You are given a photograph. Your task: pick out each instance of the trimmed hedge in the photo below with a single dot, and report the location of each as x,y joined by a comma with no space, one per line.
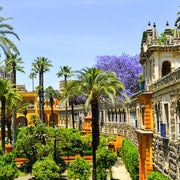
46,169
156,176
130,158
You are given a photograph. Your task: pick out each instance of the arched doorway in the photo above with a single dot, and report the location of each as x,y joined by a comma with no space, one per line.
166,68
21,121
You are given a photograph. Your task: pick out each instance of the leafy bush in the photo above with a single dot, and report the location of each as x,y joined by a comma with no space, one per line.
8,169
79,169
45,169
130,158
156,176
104,160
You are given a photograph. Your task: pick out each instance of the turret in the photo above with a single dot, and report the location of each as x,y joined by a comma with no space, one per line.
168,34
154,35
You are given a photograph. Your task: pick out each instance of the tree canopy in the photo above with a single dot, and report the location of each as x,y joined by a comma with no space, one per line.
126,67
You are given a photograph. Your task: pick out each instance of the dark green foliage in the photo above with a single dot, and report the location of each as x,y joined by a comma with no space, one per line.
40,141
104,160
130,158
79,169
74,143
8,169
46,169
156,176
37,142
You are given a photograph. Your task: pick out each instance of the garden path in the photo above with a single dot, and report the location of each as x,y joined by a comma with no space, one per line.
119,172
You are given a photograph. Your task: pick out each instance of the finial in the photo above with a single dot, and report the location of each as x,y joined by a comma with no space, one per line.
167,24
154,25
149,23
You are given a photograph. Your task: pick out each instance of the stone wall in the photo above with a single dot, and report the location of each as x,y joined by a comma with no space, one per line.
166,157
125,130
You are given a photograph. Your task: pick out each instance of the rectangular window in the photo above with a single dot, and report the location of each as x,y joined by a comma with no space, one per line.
109,119
112,116
101,116
142,115
166,117
157,109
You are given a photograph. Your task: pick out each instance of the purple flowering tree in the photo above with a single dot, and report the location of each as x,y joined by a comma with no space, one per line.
127,68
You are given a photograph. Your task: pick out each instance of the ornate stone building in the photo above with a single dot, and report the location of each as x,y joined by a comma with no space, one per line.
152,119
161,66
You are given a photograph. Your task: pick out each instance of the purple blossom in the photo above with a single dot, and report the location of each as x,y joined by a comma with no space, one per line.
127,68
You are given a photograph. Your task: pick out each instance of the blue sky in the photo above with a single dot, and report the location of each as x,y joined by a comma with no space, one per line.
75,32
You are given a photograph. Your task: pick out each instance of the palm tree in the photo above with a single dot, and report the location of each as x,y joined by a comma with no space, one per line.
13,106
32,76
12,65
7,91
66,72
5,43
178,20
94,84
40,66
51,94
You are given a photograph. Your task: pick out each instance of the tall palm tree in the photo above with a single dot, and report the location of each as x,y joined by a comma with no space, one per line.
178,20
66,72
94,84
7,91
39,66
32,76
5,43
13,63
51,94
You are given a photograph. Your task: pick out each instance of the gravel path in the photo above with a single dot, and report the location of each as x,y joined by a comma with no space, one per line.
119,172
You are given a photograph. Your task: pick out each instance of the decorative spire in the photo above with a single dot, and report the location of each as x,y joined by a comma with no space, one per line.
149,34
149,26
167,30
154,33
176,32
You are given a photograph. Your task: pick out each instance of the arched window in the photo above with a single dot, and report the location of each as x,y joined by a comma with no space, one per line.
166,68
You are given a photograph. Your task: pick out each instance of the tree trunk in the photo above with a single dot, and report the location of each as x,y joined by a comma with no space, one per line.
40,99
42,95
95,133
8,123
52,112
14,129
66,110
14,112
3,134
72,108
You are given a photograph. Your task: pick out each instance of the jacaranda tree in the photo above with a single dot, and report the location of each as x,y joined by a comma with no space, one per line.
126,67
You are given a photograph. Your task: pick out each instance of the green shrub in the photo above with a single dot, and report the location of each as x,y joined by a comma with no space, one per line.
156,176
104,160
130,159
45,169
8,169
79,169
